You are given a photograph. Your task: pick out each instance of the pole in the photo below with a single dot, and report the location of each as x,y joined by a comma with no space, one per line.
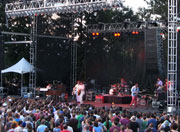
21,84
1,81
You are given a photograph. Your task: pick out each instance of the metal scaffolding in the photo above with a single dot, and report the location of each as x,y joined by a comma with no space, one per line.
33,55
73,76
114,27
172,56
30,8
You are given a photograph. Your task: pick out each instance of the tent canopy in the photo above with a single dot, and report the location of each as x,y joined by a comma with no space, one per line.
21,67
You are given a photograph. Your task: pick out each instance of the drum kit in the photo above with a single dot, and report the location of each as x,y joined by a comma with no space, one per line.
119,89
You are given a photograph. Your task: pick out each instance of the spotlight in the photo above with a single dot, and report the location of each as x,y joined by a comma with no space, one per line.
117,34
133,32
93,34
97,34
136,32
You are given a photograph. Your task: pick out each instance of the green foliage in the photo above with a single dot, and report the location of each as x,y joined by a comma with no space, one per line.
158,7
2,16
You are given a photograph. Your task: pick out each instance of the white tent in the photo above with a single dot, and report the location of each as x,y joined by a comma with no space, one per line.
21,67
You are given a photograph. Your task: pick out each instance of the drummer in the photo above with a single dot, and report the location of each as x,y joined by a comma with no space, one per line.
123,87
123,83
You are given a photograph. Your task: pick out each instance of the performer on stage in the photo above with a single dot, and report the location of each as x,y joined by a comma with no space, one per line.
81,92
49,86
167,85
159,84
134,93
123,83
75,90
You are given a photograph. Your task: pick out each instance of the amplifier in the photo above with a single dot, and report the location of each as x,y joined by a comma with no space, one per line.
99,99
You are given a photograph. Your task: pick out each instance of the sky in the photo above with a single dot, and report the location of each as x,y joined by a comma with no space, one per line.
135,4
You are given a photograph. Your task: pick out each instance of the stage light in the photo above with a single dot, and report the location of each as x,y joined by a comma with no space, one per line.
97,34
93,34
133,32
178,29
117,34
137,33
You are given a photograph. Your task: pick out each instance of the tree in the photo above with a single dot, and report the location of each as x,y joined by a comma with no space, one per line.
158,7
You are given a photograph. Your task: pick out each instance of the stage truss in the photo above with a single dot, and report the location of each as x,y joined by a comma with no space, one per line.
30,8
34,8
115,27
172,56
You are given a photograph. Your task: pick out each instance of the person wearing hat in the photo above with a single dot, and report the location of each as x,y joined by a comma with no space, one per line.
134,93
24,127
133,124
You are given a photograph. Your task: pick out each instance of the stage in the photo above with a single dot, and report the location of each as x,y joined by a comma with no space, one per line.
117,99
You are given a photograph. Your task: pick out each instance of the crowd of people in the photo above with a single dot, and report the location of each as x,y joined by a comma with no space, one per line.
40,115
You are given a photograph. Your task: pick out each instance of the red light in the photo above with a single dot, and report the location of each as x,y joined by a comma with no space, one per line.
133,32
35,14
97,34
93,34
178,30
136,32
118,34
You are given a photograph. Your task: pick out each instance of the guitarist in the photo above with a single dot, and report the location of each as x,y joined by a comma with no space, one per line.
75,91
134,93
81,92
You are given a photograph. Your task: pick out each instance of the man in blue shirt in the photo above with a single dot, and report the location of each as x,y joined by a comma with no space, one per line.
42,127
134,93
153,121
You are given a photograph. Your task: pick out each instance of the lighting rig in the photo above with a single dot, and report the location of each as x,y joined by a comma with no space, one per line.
36,7
33,8
131,28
